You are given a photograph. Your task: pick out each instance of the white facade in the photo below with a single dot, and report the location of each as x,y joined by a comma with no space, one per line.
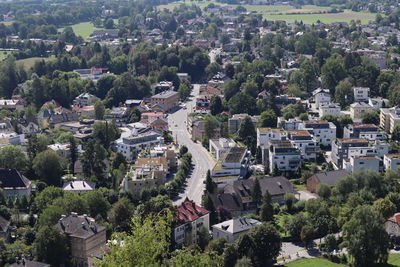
232,229
308,148
187,233
265,135
218,147
361,94
323,135
321,96
366,163
391,162
371,136
329,109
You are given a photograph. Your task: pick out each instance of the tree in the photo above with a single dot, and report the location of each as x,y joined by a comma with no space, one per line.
267,208
365,237
12,157
109,23
99,110
396,133
307,234
242,103
210,185
183,150
266,243
344,94
230,255
332,72
371,117
384,207
210,125
120,214
330,243
217,245
97,204
231,88
47,166
105,132
51,246
184,90
246,128
324,191
203,238
215,105
268,118
295,224
256,193
73,150
47,196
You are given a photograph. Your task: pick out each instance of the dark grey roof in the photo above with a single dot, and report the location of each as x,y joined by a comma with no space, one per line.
4,224
332,177
234,154
229,202
79,226
28,263
276,185
11,178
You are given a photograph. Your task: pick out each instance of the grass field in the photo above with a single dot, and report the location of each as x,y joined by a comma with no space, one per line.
84,29
315,262
285,12
4,54
29,62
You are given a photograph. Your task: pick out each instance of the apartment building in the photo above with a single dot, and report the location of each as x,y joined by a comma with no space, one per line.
219,147
358,109
389,118
361,94
323,131
391,161
305,142
321,96
365,131
329,109
366,163
266,135
283,156
341,148
166,100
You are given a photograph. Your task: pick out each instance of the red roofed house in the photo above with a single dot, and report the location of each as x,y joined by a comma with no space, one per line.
191,218
392,225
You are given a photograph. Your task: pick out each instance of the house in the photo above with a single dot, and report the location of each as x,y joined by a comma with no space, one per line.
202,103
391,161
14,184
87,112
93,74
323,131
4,228
291,124
304,142
85,99
364,162
389,118
283,156
149,117
378,102
232,166
159,125
167,152
236,120
329,178
392,225
133,141
119,115
361,94
11,104
283,100
266,135
190,219
358,109
163,86
365,131
232,229
321,96
329,109
79,186
218,147
146,173
196,128
87,239
98,35
166,99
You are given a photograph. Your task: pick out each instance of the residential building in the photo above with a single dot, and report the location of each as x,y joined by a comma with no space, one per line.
147,173
391,161
4,229
365,131
358,109
378,102
99,35
166,100
389,118
341,148
329,109
330,178
361,94
191,218
232,166
266,135
283,156
291,124
14,184
232,229
87,239
392,225
323,131
283,100
149,117
84,99
166,152
79,186
218,147
236,120
133,141
11,104
305,142
93,73
321,96
196,128
365,162
118,115
159,125
202,104
163,86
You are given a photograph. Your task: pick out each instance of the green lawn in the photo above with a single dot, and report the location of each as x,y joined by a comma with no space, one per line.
394,260
285,12
4,54
84,29
315,262
29,62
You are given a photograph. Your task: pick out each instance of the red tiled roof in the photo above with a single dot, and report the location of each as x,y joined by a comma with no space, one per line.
188,211
395,218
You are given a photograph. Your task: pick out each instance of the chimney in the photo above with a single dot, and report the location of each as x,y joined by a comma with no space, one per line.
72,184
83,182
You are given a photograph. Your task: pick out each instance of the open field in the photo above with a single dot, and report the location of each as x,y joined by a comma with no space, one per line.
29,62
4,54
291,14
315,262
84,29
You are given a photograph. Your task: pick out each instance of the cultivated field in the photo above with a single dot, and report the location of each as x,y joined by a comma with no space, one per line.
84,29
291,14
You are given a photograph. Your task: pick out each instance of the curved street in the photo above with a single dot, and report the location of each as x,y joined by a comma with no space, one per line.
201,159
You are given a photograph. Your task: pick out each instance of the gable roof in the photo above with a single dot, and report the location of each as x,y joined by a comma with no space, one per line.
11,178
79,186
331,178
188,211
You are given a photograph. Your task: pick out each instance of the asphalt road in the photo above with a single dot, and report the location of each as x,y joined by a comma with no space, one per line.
201,159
